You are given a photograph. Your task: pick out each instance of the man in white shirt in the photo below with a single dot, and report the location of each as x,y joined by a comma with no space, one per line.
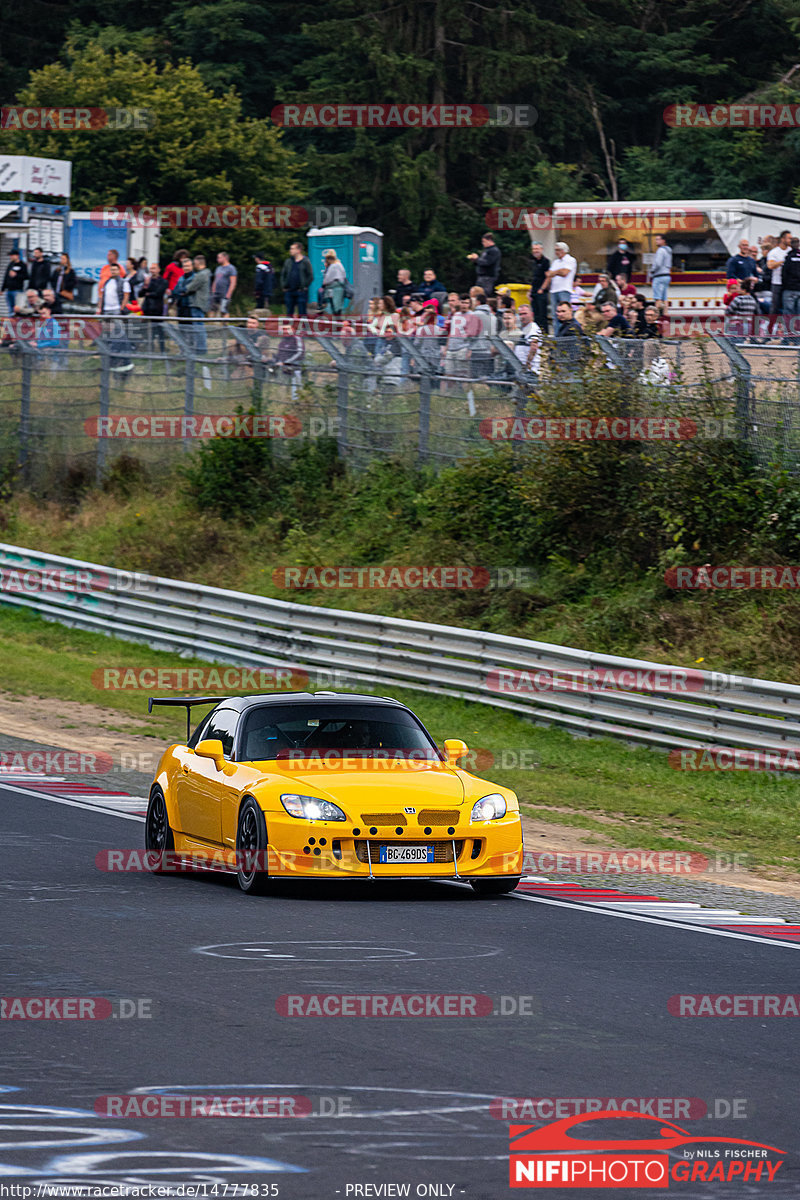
561,277
775,263
115,291
528,348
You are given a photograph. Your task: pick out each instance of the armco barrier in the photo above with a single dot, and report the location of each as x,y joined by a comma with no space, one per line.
234,627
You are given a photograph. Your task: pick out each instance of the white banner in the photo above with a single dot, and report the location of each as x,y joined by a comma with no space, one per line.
36,176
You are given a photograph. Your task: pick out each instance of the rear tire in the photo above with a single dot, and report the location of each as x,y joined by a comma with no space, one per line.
495,887
251,839
157,832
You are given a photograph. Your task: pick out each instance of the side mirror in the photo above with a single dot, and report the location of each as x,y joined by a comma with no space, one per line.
454,748
211,748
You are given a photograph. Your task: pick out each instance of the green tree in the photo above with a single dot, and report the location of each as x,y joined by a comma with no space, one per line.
199,150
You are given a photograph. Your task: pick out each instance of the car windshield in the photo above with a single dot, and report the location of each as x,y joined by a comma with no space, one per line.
292,731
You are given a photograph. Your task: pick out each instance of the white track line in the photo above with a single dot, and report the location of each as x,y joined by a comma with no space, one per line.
109,812
586,906
578,905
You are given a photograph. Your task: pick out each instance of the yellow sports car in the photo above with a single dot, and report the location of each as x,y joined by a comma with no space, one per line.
329,786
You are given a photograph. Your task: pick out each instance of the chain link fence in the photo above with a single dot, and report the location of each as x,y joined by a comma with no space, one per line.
90,390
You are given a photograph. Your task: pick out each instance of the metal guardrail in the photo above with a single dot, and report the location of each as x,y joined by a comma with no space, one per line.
351,649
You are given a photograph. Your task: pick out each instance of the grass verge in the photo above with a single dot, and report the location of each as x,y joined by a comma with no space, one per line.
631,797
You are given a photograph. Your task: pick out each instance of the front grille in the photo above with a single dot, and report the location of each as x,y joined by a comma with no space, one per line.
383,819
442,851
438,816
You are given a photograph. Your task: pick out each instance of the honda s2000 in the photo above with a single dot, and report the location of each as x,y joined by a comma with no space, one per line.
329,786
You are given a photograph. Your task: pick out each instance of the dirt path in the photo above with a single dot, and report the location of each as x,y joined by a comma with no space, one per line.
82,726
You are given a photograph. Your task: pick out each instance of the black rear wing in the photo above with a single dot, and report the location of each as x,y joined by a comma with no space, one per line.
186,702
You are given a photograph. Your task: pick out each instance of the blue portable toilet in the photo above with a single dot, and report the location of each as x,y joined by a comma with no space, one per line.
361,250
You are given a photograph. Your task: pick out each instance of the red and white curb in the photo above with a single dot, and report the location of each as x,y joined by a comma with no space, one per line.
83,794
610,899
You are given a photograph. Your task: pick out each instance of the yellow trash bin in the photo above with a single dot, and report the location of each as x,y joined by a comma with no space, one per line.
519,292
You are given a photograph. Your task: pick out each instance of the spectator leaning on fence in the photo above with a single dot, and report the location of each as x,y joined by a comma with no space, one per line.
775,262
567,324
660,271
742,309
15,278
528,348
198,289
615,324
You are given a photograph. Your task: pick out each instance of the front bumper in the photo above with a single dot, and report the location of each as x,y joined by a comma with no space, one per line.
334,850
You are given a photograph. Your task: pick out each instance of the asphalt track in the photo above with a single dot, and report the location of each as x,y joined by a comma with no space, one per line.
418,1090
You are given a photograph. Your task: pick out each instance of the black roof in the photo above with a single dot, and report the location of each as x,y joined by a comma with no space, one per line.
241,703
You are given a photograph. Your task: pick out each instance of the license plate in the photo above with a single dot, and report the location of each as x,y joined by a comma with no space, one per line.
406,854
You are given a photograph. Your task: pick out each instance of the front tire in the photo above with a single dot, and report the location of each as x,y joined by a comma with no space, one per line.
157,832
495,887
251,841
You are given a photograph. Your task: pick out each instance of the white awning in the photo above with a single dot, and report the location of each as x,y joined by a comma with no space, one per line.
5,209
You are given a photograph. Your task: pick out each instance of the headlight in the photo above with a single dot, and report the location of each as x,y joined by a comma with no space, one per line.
311,808
490,808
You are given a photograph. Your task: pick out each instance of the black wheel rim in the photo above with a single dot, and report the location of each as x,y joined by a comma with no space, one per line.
157,824
248,841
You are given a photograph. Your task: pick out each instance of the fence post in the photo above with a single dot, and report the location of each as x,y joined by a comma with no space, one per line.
741,371
342,397
105,391
25,414
188,396
424,416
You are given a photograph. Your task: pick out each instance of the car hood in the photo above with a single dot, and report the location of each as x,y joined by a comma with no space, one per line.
369,783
